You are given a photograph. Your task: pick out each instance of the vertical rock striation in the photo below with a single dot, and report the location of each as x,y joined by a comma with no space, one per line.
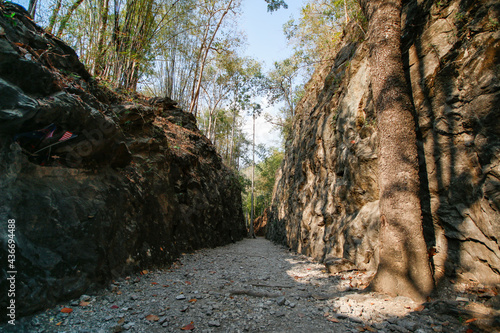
326,196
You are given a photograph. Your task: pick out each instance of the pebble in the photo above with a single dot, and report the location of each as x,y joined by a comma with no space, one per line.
249,286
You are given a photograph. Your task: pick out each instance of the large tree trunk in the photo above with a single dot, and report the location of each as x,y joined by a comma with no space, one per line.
404,266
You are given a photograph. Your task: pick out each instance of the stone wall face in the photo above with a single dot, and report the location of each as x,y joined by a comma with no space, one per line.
326,196
136,187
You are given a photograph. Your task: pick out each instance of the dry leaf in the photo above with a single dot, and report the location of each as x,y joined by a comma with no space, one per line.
66,310
188,327
470,330
59,323
333,320
154,282
193,300
118,292
419,308
468,321
114,306
152,317
144,272
82,303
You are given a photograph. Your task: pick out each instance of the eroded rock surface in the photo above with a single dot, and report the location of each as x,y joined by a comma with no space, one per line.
132,186
326,199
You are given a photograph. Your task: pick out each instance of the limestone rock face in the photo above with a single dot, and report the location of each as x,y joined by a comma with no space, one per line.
325,202
135,185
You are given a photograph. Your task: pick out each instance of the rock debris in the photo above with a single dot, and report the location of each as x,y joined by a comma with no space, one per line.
249,286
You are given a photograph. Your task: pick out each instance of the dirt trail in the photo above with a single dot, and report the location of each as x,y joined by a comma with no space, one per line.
249,286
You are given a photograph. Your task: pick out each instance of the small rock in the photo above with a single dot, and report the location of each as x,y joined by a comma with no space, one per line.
128,325
214,323
281,300
180,297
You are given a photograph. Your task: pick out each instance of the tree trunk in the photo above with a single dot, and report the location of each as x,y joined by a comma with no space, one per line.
404,266
32,8
66,17
99,66
252,216
196,92
53,16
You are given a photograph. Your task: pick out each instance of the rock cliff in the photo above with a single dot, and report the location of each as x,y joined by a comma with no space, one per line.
325,202
99,184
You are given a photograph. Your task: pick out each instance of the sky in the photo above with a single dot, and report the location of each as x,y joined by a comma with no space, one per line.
266,43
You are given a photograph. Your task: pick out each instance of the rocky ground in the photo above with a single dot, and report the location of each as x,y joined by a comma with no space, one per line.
255,286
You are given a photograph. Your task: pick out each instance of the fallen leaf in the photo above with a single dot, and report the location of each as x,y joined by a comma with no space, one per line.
193,300
152,317
419,308
188,283
66,310
118,292
59,323
333,320
470,330
154,282
144,272
114,306
188,327
82,303
468,321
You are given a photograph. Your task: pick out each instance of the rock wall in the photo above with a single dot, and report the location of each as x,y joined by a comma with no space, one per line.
138,184
326,197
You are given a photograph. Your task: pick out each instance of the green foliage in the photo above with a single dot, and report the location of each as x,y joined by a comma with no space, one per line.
265,177
318,30
273,5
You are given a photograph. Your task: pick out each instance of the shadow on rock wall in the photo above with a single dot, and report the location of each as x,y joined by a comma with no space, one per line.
326,199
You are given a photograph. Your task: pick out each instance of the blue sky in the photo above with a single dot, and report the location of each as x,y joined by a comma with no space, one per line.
267,43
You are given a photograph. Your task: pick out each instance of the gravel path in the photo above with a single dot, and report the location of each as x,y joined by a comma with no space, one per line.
249,286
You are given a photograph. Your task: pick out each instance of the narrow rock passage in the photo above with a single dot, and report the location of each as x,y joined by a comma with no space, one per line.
249,286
